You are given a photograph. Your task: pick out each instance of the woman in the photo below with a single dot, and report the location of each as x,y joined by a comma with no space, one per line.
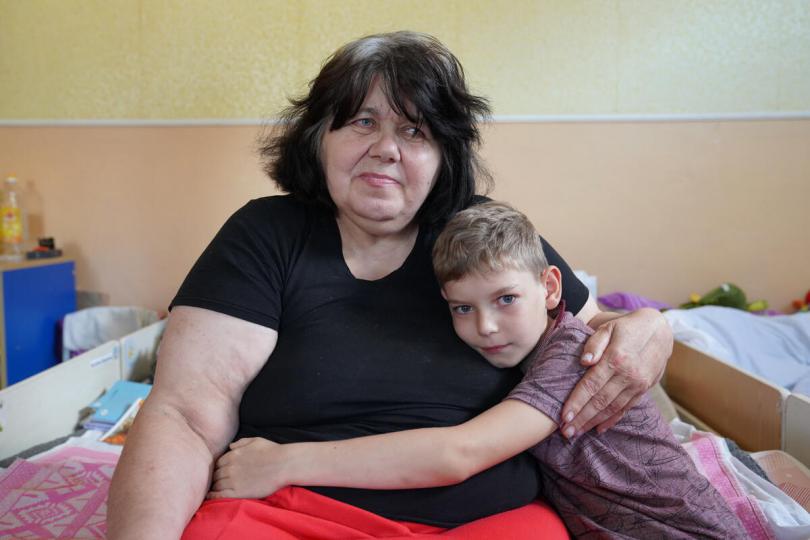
315,316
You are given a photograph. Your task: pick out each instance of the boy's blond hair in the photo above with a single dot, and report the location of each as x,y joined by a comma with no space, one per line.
484,238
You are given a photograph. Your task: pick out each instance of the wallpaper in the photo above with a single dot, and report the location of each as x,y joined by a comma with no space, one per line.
242,59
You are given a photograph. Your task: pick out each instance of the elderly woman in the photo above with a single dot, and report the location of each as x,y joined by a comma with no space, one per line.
315,315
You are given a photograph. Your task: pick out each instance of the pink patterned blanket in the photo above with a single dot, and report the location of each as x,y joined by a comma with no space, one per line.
56,499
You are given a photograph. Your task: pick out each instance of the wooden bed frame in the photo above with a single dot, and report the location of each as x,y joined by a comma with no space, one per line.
732,402
796,423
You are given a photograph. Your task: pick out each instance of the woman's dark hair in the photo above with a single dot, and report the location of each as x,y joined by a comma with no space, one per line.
413,69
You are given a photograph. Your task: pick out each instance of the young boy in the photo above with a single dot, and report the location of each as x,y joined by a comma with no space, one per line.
633,481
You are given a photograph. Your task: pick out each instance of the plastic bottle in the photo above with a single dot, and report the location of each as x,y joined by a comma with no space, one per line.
13,229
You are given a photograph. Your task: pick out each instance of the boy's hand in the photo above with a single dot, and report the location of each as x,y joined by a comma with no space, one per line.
630,353
252,469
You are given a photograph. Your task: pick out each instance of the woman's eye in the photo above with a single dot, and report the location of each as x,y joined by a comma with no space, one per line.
414,132
462,310
507,299
363,122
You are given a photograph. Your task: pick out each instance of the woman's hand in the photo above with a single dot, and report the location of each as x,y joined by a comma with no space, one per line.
253,468
629,354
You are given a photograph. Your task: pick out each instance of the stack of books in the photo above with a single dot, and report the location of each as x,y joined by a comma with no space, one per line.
117,406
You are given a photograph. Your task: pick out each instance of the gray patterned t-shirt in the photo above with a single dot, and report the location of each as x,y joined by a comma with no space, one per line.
633,481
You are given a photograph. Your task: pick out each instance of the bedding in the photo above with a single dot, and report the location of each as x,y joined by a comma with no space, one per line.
765,510
61,493
775,348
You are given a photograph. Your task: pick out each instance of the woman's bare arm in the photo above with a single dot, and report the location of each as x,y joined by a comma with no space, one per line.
206,360
629,354
415,458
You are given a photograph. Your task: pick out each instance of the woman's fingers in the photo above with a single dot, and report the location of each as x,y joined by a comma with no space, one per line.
596,345
613,420
587,399
633,350
604,392
223,459
240,443
594,378
223,494
219,474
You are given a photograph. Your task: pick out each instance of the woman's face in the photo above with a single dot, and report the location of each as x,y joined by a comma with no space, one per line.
379,167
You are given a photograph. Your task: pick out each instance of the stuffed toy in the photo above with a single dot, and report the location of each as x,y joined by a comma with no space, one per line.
728,295
802,304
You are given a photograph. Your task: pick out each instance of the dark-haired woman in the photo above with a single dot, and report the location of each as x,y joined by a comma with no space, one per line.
315,316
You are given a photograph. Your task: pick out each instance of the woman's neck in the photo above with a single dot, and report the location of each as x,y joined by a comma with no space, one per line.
373,254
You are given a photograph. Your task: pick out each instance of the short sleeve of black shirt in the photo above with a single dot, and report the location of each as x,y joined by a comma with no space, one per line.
243,270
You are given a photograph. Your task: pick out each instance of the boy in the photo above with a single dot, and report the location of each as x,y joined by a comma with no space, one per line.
632,481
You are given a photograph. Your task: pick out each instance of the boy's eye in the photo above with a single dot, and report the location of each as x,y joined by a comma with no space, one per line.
507,299
462,309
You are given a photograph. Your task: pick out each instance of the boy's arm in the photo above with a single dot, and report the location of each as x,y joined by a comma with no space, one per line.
416,458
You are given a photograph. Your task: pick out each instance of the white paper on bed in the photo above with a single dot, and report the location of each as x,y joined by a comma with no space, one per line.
775,348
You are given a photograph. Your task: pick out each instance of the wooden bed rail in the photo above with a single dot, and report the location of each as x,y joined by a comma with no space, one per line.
736,404
796,432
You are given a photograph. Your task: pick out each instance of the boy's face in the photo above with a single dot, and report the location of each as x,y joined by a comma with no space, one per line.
503,314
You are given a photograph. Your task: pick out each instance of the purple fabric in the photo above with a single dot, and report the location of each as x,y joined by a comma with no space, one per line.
633,481
630,301
768,312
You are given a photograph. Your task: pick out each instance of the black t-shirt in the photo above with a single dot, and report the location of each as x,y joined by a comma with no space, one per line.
357,357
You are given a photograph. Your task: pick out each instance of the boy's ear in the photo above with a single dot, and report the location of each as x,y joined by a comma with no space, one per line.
552,280
444,295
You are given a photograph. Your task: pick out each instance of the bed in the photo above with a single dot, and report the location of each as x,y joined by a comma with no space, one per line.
46,406
57,485
743,376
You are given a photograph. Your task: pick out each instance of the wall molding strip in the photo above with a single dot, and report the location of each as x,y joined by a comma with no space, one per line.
498,118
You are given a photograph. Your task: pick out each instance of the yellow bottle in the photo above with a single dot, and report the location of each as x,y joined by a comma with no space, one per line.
12,226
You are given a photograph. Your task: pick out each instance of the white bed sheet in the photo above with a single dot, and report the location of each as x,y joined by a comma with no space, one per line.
775,348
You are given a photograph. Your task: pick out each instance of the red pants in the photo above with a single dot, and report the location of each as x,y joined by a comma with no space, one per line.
296,513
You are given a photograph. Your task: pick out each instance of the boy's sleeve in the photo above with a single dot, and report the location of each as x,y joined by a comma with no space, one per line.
552,376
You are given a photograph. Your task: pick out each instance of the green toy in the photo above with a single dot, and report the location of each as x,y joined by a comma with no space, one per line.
728,295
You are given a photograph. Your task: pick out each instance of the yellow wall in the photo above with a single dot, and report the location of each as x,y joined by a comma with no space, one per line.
181,59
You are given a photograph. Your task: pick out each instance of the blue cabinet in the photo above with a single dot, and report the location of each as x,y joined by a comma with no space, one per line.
34,296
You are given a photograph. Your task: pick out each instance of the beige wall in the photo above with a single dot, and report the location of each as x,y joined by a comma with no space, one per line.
662,209
665,209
